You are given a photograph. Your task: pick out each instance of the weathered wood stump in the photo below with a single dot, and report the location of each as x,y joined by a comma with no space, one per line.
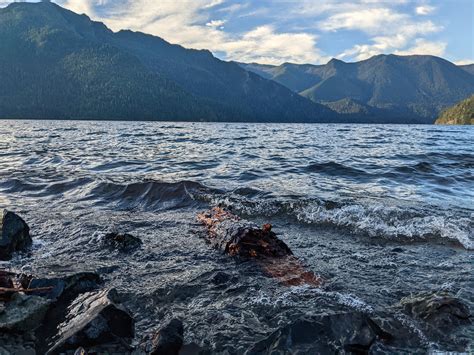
238,237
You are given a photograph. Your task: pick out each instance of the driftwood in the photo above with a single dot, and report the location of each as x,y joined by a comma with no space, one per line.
237,237
11,283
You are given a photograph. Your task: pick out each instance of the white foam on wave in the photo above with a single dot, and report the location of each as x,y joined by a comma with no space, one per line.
390,222
294,294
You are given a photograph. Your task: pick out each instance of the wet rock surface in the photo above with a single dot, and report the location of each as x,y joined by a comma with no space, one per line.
68,286
440,310
168,340
92,319
121,242
14,234
23,313
339,333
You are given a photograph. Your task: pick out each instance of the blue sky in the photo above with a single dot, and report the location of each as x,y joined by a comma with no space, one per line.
300,31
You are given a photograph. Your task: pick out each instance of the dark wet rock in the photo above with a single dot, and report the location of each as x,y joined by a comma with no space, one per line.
14,235
69,286
349,333
122,242
439,310
23,313
323,334
92,319
221,278
398,250
168,340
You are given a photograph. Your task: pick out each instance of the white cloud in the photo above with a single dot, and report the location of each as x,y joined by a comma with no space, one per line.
265,45
187,23
464,62
424,10
216,23
425,47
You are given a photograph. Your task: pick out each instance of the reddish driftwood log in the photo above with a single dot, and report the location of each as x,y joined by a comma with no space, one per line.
238,237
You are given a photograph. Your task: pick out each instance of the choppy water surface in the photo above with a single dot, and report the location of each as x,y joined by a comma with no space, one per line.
379,211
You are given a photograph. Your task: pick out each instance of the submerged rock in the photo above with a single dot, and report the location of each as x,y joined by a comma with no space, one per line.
439,310
121,242
93,319
351,332
169,339
14,235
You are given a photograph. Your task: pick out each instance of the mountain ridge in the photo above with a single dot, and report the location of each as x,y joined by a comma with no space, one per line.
398,87
74,68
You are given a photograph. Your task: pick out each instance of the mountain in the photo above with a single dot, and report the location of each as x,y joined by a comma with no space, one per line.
58,64
460,114
469,68
398,89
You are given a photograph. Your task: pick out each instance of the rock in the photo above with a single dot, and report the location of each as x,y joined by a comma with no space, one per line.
439,310
14,235
221,278
323,334
93,318
121,242
169,339
23,313
68,286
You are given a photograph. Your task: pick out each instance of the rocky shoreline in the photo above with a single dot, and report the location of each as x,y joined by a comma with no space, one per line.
79,314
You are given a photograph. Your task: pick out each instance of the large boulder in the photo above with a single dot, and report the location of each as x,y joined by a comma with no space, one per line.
93,318
14,234
169,339
439,310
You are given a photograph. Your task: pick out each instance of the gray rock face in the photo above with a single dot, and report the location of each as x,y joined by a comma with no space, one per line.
93,319
14,235
169,339
23,313
439,310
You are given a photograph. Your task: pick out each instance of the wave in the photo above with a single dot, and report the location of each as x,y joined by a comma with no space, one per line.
372,219
149,195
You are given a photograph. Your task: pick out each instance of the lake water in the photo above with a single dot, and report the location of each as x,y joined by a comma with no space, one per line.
343,197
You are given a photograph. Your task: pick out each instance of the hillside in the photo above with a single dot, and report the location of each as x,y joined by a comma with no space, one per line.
402,89
469,68
57,64
460,114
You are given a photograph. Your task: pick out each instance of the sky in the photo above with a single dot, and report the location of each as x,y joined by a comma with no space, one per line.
297,31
